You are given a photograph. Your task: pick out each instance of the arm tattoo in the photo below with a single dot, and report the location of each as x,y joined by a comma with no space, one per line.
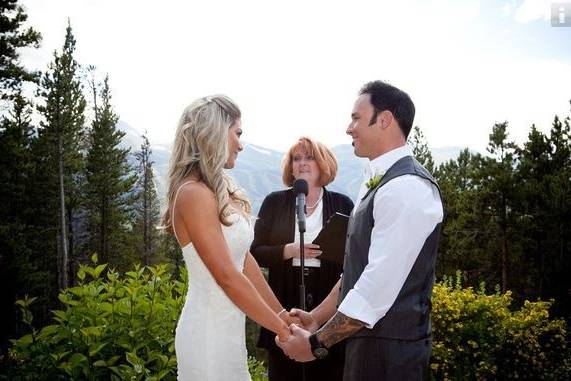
338,328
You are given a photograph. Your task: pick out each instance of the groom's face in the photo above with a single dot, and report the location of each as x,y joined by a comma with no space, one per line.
365,135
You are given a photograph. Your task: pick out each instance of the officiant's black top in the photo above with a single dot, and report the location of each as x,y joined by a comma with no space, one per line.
274,229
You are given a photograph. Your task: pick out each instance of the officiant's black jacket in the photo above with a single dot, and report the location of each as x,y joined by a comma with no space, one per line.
275,227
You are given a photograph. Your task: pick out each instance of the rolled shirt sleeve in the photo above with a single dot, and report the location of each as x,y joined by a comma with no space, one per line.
406,210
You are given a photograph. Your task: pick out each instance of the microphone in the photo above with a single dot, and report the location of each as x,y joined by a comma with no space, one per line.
300,189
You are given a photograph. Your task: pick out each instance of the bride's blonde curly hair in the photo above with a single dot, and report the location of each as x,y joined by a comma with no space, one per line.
201,149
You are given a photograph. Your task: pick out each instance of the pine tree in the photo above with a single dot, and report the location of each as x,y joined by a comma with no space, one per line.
559,206
60,142
499,190
534,170
17,273
109,181
147,210
12,38
16,135
420,149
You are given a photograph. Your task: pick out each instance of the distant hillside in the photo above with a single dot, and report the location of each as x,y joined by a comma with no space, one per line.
258,169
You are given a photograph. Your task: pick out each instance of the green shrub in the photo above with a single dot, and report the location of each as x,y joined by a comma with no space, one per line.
478,337
112,327
122,327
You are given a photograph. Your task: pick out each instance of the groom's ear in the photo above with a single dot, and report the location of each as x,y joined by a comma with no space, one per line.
385,119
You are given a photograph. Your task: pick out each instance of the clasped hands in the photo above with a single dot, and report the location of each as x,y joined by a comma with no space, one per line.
301,325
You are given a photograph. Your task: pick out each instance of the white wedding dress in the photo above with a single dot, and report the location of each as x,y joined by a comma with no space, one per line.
210,340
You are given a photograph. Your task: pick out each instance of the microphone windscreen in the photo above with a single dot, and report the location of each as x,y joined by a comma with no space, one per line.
300,186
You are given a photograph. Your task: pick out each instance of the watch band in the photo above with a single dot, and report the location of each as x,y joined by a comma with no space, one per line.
317,349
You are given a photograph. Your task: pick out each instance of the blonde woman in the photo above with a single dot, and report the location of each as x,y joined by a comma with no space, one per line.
210,219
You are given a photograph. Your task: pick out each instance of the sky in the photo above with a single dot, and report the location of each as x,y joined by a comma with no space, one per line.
295,67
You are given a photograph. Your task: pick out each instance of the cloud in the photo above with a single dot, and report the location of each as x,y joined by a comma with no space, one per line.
509,7
295,67
533,10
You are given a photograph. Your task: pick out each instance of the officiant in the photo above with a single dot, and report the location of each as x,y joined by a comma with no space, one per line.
276,247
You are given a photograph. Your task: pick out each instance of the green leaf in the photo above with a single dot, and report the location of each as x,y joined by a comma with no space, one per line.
162,374
76,359
98,270
132,358
91,331
77,291
48,330
95,348
100,364
66,367
106,307
59,356
25,340
113,360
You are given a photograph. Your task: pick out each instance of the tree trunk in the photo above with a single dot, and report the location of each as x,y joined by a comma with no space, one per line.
63,275
146,210
70,242
504,247
105,230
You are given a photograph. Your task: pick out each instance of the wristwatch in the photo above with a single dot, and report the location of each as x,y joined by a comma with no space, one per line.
318,350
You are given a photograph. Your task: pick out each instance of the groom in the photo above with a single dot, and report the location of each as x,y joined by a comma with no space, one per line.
381,305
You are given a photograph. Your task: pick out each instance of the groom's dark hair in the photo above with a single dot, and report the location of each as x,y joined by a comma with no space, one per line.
389,98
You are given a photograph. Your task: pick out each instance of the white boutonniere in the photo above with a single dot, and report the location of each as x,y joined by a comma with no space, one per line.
375,180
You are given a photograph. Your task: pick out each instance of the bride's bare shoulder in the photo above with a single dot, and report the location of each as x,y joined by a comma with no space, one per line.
195,194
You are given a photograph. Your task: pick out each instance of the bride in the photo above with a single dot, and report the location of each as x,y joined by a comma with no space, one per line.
210,220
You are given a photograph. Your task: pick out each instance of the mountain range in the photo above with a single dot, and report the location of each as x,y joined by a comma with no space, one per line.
258,169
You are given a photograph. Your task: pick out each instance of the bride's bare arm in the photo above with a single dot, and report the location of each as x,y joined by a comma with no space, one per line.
198,208
253,272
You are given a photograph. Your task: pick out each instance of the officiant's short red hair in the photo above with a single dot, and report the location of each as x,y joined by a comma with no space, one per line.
324,158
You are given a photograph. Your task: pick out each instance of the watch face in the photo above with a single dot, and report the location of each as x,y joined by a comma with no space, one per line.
320,353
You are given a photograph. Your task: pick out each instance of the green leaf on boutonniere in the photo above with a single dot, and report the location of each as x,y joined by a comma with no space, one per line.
374,181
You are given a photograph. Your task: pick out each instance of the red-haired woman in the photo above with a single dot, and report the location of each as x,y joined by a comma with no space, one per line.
276,246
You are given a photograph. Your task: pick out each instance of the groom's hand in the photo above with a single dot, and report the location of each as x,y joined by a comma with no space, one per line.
305,318
297,347
290,319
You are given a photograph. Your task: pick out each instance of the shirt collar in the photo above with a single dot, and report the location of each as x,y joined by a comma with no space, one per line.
381,164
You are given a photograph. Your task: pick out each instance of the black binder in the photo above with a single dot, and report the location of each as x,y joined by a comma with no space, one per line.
331,239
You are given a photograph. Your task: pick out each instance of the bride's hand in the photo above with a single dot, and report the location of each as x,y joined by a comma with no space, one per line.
291,250
307,321
284,333
290,319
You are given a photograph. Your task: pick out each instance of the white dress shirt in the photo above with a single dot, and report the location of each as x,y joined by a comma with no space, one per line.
405,211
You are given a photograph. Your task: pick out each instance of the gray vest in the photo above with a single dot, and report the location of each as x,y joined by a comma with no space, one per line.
409,316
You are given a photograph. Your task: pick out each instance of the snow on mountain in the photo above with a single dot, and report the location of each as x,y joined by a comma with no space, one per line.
258,169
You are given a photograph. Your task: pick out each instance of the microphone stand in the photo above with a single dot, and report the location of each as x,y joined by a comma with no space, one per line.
301,190
302,269
302,275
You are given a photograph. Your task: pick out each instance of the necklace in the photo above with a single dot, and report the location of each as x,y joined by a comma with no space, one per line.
317,202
